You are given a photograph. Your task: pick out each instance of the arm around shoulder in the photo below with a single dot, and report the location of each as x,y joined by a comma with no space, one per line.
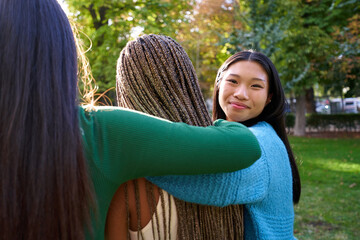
127,144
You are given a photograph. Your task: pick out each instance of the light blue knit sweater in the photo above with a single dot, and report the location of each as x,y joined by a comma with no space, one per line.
265,188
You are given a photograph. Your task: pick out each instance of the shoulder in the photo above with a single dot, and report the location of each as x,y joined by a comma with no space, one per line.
268,138
118,114
89,111
263,130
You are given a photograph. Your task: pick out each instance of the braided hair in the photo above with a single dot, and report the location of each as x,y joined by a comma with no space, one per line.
156,76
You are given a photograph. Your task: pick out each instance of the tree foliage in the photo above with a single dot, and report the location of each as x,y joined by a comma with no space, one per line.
210,20
108,25
339,20
310,41
344,68
264,25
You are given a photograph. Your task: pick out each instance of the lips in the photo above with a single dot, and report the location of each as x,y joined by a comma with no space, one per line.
238,105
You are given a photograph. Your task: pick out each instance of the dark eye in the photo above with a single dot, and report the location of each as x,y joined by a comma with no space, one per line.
231,81
257,86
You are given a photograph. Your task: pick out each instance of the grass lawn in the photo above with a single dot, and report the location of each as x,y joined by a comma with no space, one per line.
329,207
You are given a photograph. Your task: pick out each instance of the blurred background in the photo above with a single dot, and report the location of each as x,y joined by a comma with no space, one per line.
313,43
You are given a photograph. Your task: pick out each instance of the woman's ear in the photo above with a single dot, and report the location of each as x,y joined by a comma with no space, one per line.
268,100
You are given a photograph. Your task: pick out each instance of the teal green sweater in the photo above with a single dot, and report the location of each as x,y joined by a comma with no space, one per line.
122,144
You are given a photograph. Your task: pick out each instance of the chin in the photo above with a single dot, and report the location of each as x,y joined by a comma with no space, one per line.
238,119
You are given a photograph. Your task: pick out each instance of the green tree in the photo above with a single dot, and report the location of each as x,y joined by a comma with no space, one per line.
265,24
108,25
311,37
302,53
322,17
201,38
344,68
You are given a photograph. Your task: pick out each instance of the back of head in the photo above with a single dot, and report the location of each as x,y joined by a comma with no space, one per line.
156,76
42,169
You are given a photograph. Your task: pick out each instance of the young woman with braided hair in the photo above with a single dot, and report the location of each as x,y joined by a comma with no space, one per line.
60,164
248,90
156,76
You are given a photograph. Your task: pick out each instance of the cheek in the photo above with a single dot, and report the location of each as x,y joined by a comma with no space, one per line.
261,101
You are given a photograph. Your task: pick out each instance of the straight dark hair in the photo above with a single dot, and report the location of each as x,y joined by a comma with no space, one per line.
273,113
44,189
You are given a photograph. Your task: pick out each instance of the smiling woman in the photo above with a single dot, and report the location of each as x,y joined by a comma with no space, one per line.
244,92
244,86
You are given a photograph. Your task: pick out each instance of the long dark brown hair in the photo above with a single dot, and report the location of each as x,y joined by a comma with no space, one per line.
44,189
273,113
156,76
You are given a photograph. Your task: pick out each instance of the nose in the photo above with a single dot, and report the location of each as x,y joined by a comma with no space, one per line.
241,93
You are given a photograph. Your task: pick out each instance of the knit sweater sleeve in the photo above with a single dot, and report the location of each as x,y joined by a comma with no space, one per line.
249,185
125,144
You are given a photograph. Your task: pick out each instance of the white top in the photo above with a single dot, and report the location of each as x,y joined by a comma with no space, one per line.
147,232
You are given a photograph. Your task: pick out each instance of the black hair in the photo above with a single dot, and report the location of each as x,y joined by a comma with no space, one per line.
274,111
44,190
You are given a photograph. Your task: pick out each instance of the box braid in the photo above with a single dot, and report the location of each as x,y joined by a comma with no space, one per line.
156,76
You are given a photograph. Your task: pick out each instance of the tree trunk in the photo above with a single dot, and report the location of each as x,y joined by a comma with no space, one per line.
300,120
310,101
292,103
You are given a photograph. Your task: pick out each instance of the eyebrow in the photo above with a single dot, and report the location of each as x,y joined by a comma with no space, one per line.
238,76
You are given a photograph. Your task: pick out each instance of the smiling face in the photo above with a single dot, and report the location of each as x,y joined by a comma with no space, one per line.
243,91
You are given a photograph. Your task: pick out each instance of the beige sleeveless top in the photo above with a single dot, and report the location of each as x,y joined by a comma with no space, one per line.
158,229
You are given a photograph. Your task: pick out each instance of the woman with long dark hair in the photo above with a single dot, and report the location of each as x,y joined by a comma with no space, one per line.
60,164
248,90
274,111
